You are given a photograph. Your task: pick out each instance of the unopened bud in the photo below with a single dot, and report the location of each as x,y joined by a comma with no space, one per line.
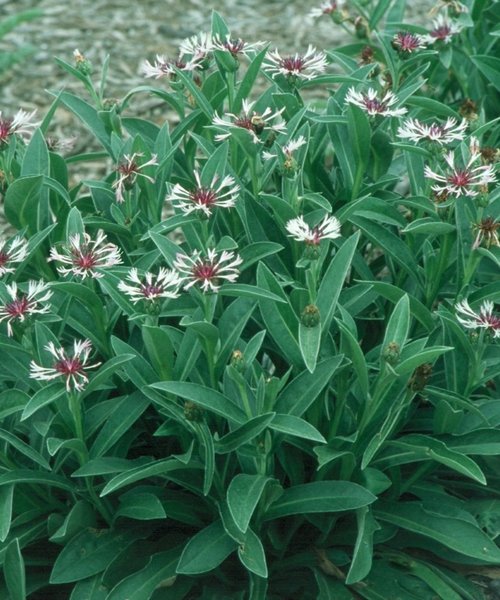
310,316
391,353
82,64
361,28
237,360
192,411
420,377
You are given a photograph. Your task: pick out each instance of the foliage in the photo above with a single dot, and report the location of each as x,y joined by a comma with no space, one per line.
263,362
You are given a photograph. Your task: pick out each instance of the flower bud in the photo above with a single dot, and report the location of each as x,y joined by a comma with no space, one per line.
310,316
82,64
193,412
420,377
391,353
238,360
361,28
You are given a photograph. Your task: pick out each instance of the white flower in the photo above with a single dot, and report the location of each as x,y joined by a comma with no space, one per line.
443,30
327,8
22,124
23,305
288,149
485,319
14,251
235,46
416,131
487,232
71,367
299,230
151,287
205,197
370,103
408,42
208,271
86,255
462,181
197,46
249,120
165,67
128,173
301,66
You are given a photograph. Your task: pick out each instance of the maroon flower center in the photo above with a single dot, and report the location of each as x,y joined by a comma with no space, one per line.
460,179
407,42
151,291
441,33
128,169
293,63
204,271
84,261
234,46
4,257
374,105
5,129
436,130
17,307
69,366
203,196
244,122
315,238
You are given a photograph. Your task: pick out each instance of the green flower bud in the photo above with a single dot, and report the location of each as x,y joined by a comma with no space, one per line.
238,360
193,412
310,316
391,353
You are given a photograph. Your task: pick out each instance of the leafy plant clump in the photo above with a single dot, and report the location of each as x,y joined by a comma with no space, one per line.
258,358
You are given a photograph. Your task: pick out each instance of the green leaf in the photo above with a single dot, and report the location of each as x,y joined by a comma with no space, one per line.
142,584
43,397
399,324
206,550
89,589
244,434
320,497
89,553
160,350
302,391
309,342
248,291
363,550
251,554
142,506
352,350
457,534
36,159
23,448
248,80
408,365
333,280
6,495
296,426
204,396
427,226
13,570
32,477
489,67
22,202
80,517
243,495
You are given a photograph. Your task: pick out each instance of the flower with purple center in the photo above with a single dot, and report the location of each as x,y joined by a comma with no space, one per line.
487,232
14,251
484,319
205,198
327,8
71,367
407,42
151,288
443,30
128,171
372,105
198,47
256,124
165,67
298,66
416,131
84,255
235,46
299,230
462,181
208,271
20,305
21,124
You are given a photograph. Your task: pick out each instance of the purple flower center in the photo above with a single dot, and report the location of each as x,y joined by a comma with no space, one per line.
374,105
407,41
151,291
292,64
4,257
69,366
441,33
203,196
460,179
83,259
205,271
17,307
5,129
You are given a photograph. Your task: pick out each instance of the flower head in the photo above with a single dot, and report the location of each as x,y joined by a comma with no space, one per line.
22,305
484,319
165,67
128,172
406,42
256,124
21,124
443,30
208,271
487,232
288,163
299,66
14,251
151,287
70,367
462,181
299,230
85,255
197,47
327,8
235,46
205,198
371,104
416,131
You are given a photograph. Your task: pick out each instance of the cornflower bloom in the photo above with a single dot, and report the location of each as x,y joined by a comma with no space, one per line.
250,120
22,305
70,367
299,66
21,124
197,46
85,255
289,163
151,287
484,319
443,30
128,173
407,42
205,198
165,67
370,103
487,232
235,46
416,131
458,181
208,271
327,8
14,251
300,231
